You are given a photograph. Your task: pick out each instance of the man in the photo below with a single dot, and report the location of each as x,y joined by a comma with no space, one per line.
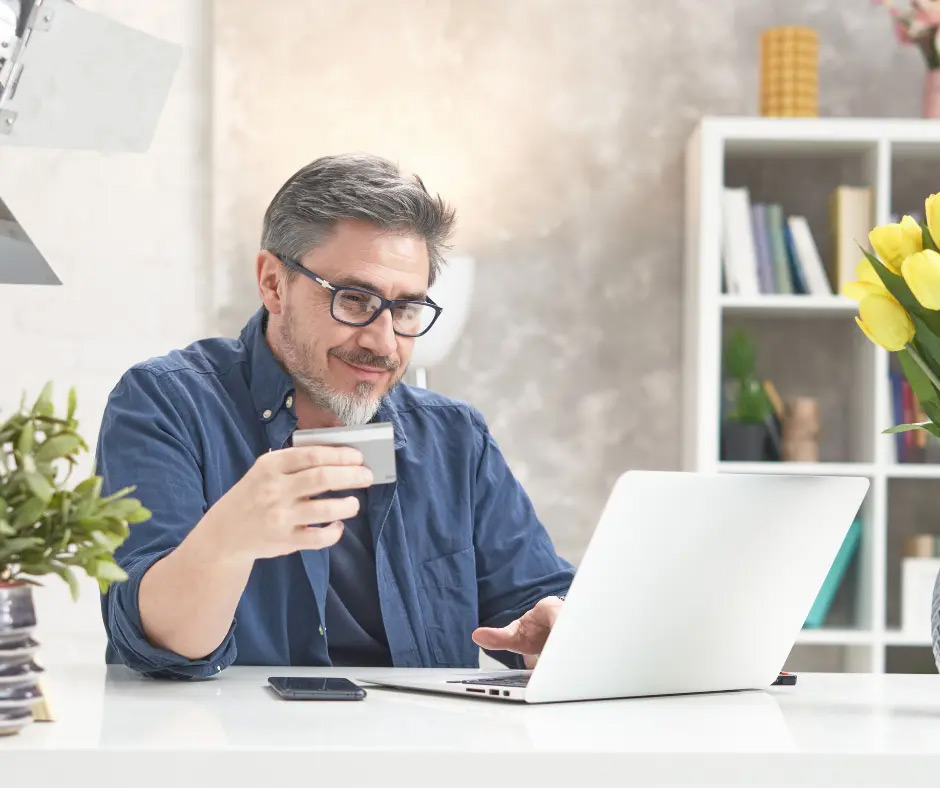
263,553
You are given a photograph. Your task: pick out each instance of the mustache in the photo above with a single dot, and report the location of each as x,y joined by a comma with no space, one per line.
364,358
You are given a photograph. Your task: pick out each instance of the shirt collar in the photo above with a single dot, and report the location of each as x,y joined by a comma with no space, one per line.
271,385
269,382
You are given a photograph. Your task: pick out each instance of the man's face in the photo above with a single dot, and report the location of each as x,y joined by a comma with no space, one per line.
347,370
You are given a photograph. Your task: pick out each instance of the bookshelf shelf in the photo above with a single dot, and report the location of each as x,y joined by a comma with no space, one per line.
809,342
797,306
835,637
913,470
900,638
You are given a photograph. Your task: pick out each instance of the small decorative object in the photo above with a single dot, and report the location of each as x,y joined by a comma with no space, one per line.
744,432
47,528
801,430
789,84
919,24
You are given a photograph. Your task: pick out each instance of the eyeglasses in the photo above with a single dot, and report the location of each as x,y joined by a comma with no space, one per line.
355,306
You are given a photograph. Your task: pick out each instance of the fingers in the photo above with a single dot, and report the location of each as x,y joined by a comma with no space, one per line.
500,639
318,538
323,510
313,481
300,458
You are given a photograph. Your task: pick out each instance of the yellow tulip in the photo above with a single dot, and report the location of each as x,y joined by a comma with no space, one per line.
885,322
921,271
894,243
932,209
869,283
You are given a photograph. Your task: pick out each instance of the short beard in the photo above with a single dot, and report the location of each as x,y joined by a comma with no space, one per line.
351,410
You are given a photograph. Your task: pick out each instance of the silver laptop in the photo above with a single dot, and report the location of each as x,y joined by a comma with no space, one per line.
691,583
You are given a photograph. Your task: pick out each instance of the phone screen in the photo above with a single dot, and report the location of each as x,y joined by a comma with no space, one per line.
316,687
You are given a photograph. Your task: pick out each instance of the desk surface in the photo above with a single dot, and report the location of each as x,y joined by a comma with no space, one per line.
857,729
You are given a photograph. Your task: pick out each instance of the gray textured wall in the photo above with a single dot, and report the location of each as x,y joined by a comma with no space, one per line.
557,128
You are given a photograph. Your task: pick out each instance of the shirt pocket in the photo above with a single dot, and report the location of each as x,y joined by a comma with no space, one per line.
449,600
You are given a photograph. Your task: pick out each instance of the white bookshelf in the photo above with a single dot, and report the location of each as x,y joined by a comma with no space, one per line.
878,144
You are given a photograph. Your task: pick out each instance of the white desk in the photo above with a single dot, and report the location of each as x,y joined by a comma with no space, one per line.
116,729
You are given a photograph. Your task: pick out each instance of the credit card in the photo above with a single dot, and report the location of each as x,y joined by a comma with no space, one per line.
375,441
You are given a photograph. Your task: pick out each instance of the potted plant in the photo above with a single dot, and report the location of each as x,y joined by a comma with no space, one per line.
46,527
744,432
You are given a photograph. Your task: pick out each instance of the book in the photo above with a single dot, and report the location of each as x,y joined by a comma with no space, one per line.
778,249
765,274
850,209
820,609
796,269
817,282
738,245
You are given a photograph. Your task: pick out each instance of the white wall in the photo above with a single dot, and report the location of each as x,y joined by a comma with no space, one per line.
127,235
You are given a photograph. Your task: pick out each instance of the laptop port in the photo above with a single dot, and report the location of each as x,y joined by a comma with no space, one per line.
474,689
505,693
494,692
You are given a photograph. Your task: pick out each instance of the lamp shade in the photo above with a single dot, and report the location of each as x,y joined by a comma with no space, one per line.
21,263
453,290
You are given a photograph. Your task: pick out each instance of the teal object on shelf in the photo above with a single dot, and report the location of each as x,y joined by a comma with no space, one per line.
817,614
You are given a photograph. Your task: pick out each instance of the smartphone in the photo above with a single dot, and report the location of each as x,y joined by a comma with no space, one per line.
315,688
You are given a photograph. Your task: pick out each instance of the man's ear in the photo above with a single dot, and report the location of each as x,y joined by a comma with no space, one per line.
271,281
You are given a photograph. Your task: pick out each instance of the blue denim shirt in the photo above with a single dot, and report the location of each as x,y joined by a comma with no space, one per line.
457,542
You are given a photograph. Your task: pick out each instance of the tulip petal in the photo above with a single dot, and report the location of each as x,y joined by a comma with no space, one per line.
885,322
865,272
859,290
921,272
894,243
932,212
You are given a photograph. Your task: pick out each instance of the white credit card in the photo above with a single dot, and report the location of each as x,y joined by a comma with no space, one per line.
375,441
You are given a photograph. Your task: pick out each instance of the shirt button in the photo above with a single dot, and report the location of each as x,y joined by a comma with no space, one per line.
289,402
267,414
322,631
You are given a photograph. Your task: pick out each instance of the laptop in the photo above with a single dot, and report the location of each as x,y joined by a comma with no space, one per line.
691,583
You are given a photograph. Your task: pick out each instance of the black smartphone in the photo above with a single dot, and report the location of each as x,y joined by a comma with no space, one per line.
315,688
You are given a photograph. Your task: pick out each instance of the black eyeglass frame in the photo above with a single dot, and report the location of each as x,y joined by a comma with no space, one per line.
386,303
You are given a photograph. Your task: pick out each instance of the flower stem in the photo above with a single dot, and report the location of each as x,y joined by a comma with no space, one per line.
923,365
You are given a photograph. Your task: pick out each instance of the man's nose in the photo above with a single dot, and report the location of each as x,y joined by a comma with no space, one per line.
379,336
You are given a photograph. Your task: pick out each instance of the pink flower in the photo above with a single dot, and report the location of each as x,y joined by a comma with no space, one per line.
900,30
928,12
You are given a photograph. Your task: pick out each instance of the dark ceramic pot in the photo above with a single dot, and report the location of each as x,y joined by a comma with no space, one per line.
19,690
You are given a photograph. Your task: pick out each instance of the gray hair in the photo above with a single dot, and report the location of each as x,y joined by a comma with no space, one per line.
308,206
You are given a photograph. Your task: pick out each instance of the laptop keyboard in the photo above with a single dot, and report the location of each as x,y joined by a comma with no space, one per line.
513,680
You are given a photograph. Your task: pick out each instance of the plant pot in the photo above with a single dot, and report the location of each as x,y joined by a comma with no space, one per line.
19,674
743,442
932,94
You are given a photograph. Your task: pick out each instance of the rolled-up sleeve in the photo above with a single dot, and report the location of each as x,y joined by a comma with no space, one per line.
516,562
145,442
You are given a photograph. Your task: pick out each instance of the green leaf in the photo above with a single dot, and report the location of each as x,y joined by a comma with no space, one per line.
140,516
6,529
10,547
928,239
123,509
73,403
24,444
109,542
28,513
119,494
39,486
923,389
69,577
57,447
928,343
44,406
921,425
110,571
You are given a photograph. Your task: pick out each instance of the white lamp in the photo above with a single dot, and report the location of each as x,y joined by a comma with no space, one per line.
453,291
72,79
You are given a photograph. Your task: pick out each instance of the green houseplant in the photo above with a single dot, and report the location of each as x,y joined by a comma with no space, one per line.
744,432
47,527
